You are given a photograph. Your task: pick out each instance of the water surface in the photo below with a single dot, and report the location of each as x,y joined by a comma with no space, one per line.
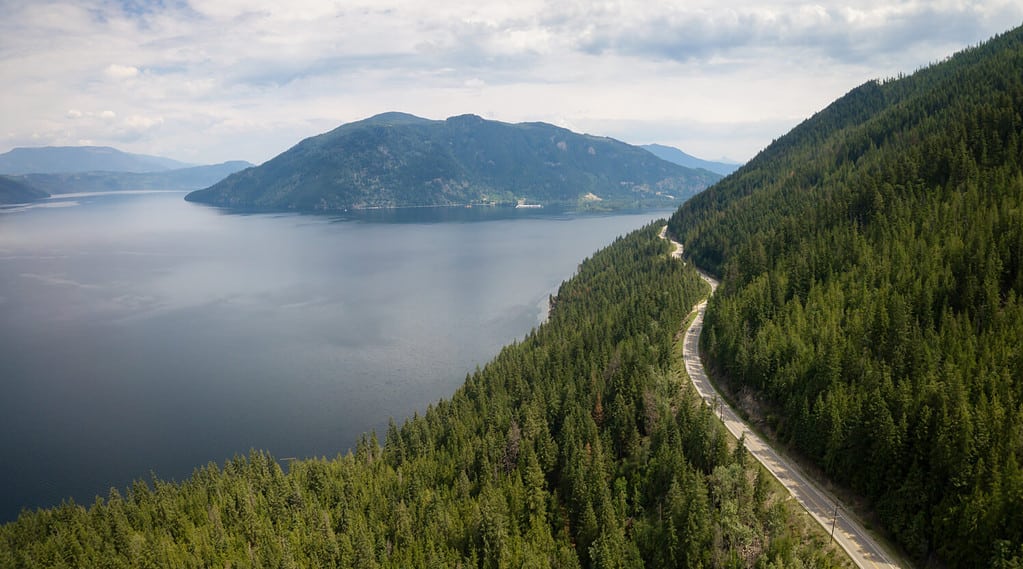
141,333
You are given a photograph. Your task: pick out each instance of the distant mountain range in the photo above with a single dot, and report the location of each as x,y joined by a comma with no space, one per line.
62,159
400,160
28,174
672,154
191,178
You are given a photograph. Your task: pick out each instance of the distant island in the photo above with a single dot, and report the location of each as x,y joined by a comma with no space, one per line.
400,160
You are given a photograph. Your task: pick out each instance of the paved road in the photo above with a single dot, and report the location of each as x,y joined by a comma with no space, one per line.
861,547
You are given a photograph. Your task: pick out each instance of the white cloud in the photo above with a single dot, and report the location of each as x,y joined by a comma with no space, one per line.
213,80
120,72
142,123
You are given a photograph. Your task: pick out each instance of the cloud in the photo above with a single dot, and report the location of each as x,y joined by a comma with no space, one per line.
134,128
142,123
121,72
839,32
208,81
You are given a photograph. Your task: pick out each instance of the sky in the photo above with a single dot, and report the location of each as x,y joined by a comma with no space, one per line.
209,81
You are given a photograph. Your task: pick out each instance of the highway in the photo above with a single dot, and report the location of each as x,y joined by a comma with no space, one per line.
864,551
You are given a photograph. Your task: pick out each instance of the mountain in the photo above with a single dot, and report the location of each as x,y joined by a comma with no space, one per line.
17,191
872,298
61,159
672,154
397,160
191,178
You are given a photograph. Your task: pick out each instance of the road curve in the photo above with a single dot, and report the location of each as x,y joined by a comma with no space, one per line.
864,551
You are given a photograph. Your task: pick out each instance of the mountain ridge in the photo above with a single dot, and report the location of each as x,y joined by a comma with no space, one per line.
67,159
396,159
680,157
872,277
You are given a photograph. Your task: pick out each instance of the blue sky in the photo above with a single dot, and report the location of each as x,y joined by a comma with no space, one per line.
211,81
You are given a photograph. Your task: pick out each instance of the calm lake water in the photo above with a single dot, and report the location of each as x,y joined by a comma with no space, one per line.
140,333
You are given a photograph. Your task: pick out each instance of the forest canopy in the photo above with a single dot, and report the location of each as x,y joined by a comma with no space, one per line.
872,264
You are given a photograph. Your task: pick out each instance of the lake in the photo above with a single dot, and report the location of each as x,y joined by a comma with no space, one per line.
143,334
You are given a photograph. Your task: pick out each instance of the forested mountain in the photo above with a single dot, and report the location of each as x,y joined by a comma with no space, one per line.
17,191
397,160
581,446
872,264
61,159
179,179
672,154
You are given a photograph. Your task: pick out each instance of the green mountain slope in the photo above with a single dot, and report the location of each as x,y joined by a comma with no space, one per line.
17,191
873,272
191,178
580,446
398,160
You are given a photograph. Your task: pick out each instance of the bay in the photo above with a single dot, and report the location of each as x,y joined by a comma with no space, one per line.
143,335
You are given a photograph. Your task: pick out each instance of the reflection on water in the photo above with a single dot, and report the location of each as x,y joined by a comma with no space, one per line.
144,333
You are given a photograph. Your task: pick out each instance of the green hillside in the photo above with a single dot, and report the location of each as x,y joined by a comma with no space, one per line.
872,264
580,446
14,191
399,160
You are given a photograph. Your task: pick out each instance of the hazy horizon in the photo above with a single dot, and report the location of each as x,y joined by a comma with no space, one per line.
209,82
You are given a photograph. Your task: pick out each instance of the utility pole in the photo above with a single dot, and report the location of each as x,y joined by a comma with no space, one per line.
834,520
